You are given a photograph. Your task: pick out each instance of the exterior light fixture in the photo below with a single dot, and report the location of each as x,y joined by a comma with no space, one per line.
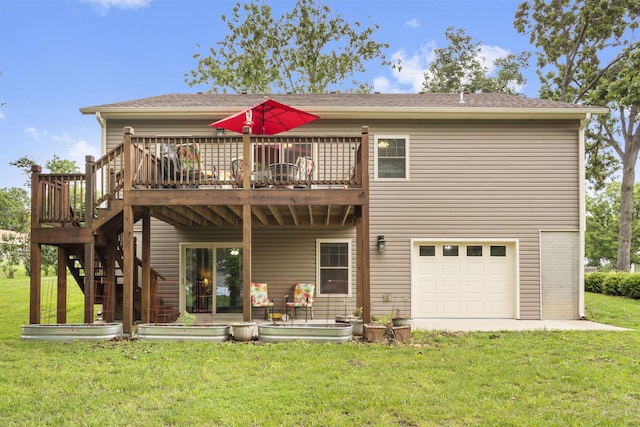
219,132
382,245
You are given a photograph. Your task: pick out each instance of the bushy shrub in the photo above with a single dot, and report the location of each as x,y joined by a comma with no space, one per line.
593,282
611,283
630,286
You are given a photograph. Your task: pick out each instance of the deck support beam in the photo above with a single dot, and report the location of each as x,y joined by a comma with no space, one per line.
128,243
35,249
146,266
246,231
89,248
363,269
109,306
246,263
61,306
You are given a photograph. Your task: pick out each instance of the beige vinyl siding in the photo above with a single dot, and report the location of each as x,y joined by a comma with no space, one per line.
477,180
468,179
282,256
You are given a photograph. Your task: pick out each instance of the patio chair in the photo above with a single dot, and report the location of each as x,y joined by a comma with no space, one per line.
237,172
302,300
260,298
304,172
188,160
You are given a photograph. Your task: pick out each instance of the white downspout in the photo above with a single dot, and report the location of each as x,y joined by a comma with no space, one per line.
583,212
103,133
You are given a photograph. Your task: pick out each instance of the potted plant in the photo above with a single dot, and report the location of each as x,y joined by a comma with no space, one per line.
400,329
355,319
375,330
243,331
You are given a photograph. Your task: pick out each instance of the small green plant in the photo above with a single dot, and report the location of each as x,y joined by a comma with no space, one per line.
186,319
357,312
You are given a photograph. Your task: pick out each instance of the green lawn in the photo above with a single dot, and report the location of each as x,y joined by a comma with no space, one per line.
536,378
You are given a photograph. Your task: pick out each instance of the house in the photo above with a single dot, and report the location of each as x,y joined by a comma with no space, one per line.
438,205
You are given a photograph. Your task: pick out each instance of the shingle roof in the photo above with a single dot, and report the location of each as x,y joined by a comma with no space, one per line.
341,100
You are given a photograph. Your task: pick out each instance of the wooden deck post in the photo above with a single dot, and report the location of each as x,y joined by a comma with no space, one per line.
363,269
246,263
145,298
246,227
35,248
89,248
128,248
109,305
61,306
128,255
246,156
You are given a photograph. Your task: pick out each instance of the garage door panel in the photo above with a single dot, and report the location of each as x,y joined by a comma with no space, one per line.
475,269
451,269
476,285
475,288
451,288
451,308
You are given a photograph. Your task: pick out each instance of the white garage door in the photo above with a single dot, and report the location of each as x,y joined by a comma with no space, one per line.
464,280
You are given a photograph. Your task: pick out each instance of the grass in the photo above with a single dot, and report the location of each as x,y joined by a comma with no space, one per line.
618,311
536,378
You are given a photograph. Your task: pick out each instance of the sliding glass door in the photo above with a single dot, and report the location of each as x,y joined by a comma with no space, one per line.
211,278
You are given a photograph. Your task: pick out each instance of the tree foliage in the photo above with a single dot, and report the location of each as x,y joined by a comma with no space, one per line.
588,53
55,165
307,50
460,67
14,205
603,222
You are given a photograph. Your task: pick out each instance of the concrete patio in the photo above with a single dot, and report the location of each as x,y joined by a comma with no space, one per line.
510,325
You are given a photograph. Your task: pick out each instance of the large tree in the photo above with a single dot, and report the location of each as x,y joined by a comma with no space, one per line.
461,67
307,50
588,53
603,224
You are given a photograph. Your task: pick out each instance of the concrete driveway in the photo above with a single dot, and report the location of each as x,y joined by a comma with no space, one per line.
510,325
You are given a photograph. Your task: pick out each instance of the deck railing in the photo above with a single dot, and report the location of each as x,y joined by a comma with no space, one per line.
199,162
62,198
165,162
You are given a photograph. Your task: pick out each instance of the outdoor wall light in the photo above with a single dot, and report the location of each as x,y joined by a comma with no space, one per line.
382,245
219,132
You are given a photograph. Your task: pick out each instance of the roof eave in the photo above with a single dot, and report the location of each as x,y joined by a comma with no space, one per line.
485,113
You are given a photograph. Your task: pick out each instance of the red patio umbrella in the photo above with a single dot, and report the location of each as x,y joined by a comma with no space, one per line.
267,118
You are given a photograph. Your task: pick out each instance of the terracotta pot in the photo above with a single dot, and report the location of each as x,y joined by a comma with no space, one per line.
374,332
402,333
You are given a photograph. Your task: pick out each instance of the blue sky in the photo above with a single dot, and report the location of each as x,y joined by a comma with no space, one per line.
57,56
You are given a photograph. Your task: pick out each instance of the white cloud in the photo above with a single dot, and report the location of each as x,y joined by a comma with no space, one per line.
411,75
412,23
490,54
105,5
80,150
2,116
34,133
414,66
62,138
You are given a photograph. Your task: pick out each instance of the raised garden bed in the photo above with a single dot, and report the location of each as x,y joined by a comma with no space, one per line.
173,332
332,332
72,331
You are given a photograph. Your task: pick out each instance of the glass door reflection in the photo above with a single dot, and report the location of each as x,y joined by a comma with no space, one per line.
228,280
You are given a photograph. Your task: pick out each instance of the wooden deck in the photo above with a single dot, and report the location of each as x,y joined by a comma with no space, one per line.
186,181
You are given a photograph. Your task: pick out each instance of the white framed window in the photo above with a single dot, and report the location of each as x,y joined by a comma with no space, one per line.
391,157
333,261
